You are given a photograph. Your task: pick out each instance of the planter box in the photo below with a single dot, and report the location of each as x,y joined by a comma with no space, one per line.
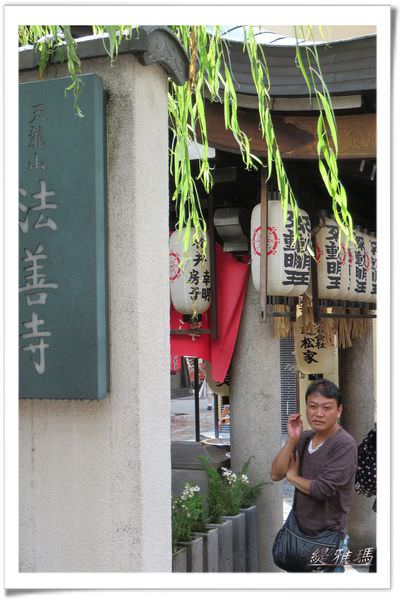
239,548
225,546
194,555
180,560
210,549
251,539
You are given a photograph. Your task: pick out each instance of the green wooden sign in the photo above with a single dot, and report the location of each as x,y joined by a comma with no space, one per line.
62,233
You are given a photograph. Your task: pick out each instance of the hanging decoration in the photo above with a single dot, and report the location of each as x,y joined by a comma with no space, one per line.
288,263
314,353
362,266
371,290
332,262
190,279
282,325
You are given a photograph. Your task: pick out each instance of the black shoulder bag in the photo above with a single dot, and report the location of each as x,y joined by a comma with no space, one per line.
293,550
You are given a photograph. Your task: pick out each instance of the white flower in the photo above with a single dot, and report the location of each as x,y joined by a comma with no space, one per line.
226,472
244,478
189,491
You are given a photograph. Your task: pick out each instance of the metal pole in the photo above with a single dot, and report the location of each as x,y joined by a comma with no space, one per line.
216,415
196,385
315,289
263,244
213,298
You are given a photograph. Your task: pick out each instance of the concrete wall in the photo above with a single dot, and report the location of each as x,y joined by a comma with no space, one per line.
95,476
359,396
255,417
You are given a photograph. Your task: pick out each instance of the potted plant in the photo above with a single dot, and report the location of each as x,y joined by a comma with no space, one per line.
248,507
233,492
216,511
231,499
188,515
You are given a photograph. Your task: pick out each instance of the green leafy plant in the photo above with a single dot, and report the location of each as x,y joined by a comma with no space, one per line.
307,60
211,77
216,491
188,514
250,493
228,491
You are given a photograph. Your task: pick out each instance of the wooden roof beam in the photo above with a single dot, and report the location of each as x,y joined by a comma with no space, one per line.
296,134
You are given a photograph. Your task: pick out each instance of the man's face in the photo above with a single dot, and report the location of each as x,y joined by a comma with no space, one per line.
322,413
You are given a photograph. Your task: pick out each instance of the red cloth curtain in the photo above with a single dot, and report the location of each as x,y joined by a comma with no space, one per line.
231,281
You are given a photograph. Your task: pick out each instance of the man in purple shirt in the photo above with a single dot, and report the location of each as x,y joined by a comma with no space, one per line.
329,462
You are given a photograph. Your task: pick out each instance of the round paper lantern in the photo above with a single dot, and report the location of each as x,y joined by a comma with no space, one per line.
349,276
362,266
372,276
288,267
190,282
331,263
313,353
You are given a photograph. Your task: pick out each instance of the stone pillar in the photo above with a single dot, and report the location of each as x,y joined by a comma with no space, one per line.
356,376
255,417
95,475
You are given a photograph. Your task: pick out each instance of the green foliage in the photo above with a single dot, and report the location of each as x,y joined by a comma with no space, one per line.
250,493
261,80
307,60
188,514
210,76
216,491
51,41
228,491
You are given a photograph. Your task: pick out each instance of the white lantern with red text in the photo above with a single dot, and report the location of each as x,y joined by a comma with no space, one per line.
288,265
190,280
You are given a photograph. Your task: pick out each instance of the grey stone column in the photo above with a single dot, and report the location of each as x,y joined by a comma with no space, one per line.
357,385
255,417
95,476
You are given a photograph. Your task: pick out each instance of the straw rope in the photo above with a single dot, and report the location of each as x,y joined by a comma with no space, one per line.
281,325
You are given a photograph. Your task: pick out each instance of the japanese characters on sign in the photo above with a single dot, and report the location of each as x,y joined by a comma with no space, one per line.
34,207
190,277
314,353
62,239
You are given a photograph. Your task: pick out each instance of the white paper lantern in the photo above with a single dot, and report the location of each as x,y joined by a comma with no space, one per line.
361,266
372,278
313,353
331,263
349,274
190,282
288,267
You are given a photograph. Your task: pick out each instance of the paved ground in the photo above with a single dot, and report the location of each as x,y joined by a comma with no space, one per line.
183,419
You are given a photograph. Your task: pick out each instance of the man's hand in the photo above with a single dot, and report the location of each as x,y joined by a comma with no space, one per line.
293,468
294,427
